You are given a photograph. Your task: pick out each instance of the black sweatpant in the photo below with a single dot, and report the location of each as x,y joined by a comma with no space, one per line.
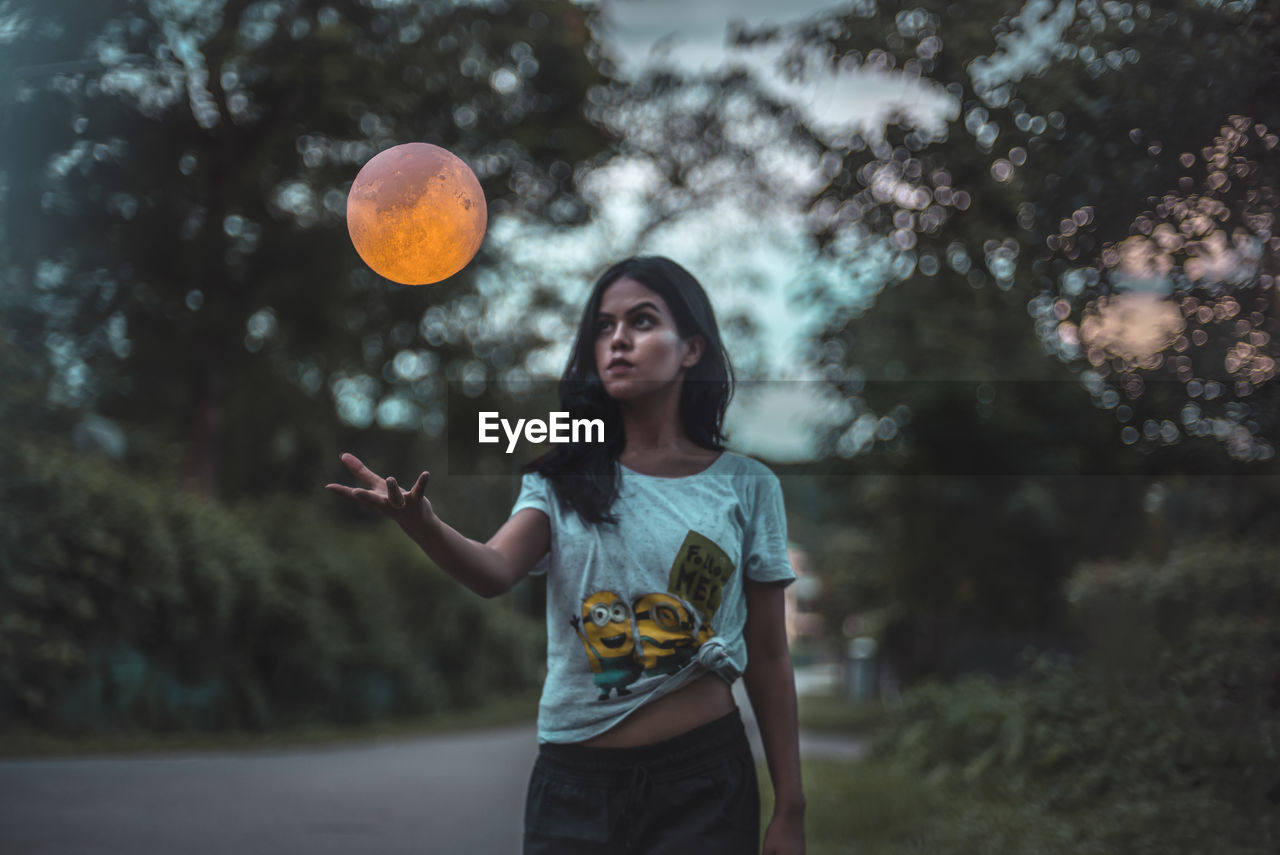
695,792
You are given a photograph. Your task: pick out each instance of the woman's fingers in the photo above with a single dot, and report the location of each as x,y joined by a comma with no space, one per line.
394,495
375,500
382,494
364,497
358,469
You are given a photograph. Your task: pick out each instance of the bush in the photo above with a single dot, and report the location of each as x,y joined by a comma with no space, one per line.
1163,737
124,604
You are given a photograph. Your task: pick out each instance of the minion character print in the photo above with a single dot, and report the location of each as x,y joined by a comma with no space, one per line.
665,626
661,633
605,632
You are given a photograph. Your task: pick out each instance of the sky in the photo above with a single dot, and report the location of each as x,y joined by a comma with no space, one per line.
691,35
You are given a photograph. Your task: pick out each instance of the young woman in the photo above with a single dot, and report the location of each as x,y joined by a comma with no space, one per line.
665,558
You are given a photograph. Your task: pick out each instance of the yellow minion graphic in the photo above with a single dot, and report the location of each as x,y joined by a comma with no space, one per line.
665,627
605,632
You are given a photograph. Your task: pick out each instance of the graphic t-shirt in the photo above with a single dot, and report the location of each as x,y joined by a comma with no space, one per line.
638,609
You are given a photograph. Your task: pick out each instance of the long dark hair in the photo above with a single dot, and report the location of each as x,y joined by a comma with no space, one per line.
585,475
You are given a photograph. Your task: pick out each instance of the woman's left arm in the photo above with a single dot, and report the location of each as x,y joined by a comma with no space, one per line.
771,687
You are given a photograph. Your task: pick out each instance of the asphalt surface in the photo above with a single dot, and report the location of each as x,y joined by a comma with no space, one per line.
458,793
450,793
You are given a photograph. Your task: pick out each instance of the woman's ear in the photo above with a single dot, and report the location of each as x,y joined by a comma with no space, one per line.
695,344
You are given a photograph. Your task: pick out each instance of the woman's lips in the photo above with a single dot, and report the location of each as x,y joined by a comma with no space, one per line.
619,368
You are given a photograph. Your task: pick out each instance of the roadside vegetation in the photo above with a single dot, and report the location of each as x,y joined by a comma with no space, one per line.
1160,736
140,614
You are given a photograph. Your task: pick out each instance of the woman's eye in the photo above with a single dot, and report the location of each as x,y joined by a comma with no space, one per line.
644,322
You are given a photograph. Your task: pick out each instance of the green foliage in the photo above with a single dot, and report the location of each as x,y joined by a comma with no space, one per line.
971,412
1161,737
172,188
838,714
882,808
1053,156
954,573
128,605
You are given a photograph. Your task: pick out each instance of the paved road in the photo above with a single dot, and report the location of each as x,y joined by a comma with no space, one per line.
453,793
459,793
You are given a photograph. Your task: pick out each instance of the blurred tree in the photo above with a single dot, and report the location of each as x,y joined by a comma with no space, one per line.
1109,170
172,189
1125,153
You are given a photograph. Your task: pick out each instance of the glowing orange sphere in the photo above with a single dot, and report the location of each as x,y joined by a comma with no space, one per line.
416,214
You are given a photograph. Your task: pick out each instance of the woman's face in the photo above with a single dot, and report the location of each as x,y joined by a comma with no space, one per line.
638,348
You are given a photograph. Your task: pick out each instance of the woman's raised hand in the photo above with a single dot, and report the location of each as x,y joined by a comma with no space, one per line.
384,494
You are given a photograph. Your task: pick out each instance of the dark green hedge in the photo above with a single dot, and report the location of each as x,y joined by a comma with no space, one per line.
1164,737
125,604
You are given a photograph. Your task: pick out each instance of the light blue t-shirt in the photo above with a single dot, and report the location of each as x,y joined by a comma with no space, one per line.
638,609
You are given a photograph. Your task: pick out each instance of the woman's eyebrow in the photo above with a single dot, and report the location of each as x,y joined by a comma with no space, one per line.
631,311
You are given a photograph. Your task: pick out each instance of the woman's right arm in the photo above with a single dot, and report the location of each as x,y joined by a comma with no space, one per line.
490,568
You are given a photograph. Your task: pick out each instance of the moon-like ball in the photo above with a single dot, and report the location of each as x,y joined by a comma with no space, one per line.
416,214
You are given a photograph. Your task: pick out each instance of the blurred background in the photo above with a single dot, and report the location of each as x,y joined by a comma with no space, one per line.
998,278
